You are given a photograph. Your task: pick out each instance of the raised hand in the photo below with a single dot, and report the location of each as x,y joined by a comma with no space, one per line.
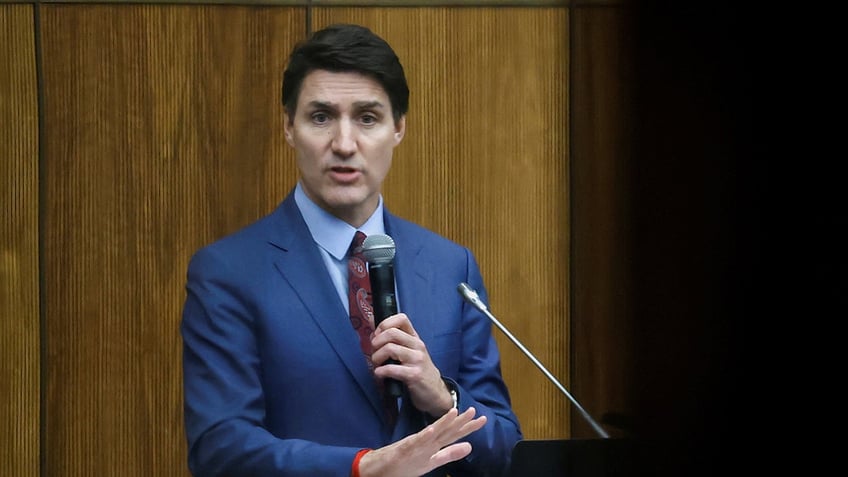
419,453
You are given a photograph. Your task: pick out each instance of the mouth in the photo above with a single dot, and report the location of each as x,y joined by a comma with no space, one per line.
345,175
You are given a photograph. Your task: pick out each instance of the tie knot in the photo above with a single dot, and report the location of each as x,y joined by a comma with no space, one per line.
356,245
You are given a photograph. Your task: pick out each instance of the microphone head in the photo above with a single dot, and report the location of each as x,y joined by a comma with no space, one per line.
378,249
466,291
470,295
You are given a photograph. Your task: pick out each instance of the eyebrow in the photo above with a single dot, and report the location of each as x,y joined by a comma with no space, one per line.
359,105
369,105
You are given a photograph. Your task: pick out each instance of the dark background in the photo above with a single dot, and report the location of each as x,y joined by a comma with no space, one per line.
695,242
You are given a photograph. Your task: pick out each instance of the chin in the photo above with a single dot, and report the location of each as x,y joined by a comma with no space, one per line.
348,201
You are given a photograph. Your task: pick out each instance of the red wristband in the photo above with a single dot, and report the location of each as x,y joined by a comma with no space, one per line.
354,469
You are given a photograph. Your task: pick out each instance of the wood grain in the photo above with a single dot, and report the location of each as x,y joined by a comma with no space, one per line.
20,357
162,134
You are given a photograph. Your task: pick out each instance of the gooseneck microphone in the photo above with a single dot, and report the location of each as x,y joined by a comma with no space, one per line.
471,297
379,252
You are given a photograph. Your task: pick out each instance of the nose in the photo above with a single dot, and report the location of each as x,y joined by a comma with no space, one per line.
344,140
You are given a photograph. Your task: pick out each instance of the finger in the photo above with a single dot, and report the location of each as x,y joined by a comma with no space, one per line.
473,426
394,321
461,428
400,321
400,353
444,423
447,428
396,335
451,453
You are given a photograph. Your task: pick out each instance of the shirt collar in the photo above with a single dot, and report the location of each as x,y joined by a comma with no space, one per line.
331,233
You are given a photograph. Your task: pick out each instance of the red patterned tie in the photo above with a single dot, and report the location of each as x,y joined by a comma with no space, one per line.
362,313
359,296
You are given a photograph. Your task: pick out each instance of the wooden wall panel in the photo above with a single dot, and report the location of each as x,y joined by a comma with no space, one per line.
602,322
485,162
20,360
163,132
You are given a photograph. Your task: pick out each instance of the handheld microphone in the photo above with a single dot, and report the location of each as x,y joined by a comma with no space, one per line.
471,297
379,252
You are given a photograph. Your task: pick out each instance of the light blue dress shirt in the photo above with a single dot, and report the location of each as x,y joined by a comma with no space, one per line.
333,237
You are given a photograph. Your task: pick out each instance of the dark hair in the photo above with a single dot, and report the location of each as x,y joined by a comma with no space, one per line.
342,48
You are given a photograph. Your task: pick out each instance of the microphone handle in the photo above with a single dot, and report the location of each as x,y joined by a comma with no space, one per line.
477,303
382,277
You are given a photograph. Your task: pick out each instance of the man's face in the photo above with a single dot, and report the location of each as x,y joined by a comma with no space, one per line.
343,133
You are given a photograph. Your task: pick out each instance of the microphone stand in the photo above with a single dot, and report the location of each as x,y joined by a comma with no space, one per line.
471,297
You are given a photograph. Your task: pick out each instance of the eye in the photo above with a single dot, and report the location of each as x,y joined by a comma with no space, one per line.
368,119
320,117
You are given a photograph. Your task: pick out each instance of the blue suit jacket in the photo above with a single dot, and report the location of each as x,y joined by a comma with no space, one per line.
275,382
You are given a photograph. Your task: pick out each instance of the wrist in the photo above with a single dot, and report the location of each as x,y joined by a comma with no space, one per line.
454,394
354,468
447,399
450,399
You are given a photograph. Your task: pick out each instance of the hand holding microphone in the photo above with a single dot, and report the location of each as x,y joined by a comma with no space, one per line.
397,337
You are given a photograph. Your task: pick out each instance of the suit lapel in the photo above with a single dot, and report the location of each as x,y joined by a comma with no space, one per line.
413,274
302,267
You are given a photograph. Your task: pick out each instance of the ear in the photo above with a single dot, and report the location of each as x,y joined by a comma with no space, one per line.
400,129
287,128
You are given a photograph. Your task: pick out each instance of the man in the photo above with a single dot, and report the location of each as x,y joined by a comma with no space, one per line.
277,380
